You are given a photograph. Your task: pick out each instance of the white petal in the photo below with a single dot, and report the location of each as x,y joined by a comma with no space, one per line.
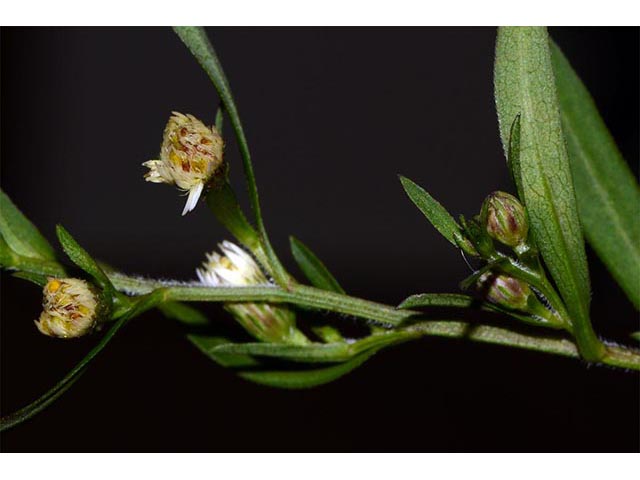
192,200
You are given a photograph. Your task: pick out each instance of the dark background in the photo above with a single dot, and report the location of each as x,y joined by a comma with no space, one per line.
332,115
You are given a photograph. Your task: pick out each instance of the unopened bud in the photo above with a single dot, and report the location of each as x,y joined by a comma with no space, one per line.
191,153
505,219
69,308
235,267
506,291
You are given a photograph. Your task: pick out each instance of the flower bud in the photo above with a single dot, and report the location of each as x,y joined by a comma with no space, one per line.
235,267
506,291
190,155
69,308
505,219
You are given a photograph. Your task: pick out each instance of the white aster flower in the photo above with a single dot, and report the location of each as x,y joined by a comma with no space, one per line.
69,308
236,268
190,155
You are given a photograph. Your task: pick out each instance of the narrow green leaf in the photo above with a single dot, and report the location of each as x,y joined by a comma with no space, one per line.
300,379
434,211
35,278
184,313
313,268
513,157
606,190
453,300
82,259
241,357
220,118
207,345
12,260
195,38
20,234
525,86
317,352
422,300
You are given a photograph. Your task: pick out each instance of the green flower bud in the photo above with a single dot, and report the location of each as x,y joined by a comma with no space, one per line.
266,322
506,291
505,219
70,308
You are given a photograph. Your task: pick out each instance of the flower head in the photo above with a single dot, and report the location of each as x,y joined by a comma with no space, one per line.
506,291
505,219
235,267
189,156
69,308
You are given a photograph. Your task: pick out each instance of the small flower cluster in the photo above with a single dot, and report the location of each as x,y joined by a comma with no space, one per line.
191,153
236,268
503,219
69,308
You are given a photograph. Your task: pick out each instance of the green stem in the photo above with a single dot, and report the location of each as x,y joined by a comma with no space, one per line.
300,295
310,297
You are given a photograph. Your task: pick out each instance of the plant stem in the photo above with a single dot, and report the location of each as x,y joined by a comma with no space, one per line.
310,297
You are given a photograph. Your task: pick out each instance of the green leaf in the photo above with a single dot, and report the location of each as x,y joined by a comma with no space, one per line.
300,379
207,344
437,300
434,211
35,278
183,313
513,157
20,234
453,300
635,336
313,268
82,259
525,86
606,190
317,352
220,118
195,38
242,357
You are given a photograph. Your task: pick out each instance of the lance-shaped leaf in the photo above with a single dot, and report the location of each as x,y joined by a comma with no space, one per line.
207,344
82,259
606,190
313,268
422,300
525,86
308,378
330,361
20,234
316,352
432,209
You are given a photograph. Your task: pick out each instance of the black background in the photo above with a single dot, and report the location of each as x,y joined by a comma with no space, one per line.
332,115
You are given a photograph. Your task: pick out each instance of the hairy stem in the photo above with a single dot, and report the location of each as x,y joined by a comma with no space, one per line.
310,297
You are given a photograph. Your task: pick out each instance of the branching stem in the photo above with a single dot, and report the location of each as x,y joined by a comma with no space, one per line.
309,297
